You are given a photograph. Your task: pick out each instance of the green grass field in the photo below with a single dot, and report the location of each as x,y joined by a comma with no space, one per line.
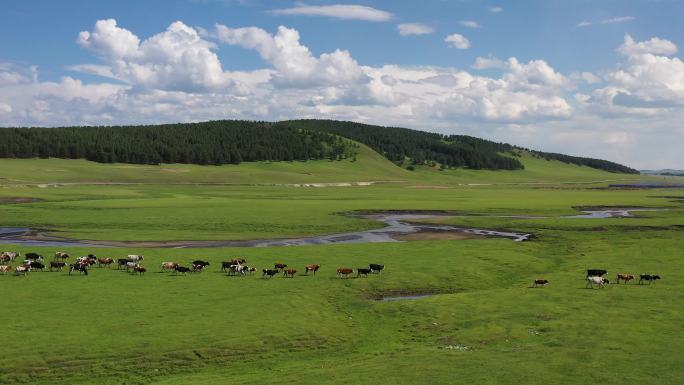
485,325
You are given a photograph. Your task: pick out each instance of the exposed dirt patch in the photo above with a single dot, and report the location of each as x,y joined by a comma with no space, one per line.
436,236
399,293
5,200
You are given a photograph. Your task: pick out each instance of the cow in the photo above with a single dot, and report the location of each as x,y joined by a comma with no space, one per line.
596,280
344,271
36,266
82,268
88,260
121,263
4,269
130,266
139,269
268,273
225,265
363,271
375,268
61,255
181,269
648,278
540,282
596,272
200,262
197,268
168,266
279,266
10,255
22,270
135,258
311,268
238,261
57,265
251,270
237,269
289,273
104,262
34,257
624,277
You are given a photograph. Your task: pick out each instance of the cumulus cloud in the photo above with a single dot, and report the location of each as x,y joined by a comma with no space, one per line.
338,11
470,24
654,46
482,63
457,41
407,29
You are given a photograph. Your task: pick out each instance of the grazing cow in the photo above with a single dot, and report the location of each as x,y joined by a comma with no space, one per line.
37,266
376,268
540,282
648,278
61,255
135,258
595,280
34,257
200,262
22,270
289,273
57,265
105,262
624,277
168,266
268,273
9,256
197,268
181,269
363,271
344,271
82,268
121,263
279,266
225,265
139,269
596,272
311,268
4,269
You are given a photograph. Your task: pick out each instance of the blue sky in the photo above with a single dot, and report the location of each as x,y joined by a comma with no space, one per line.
597,78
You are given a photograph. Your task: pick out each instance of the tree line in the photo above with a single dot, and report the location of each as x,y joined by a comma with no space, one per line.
216,142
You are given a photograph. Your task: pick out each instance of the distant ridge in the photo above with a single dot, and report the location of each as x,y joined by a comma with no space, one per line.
235,141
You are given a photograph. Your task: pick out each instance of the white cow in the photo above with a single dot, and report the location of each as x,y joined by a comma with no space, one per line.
600,281
135,258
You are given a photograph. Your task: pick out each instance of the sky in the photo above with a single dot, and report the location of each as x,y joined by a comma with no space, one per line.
595,78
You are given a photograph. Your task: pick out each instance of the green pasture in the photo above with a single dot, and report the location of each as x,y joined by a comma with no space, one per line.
485,325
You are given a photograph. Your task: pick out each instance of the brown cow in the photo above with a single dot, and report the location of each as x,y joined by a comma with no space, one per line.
8,256
624,277
312,268
61,255
105,262
4,269
344,271
289,273
168,266
139,269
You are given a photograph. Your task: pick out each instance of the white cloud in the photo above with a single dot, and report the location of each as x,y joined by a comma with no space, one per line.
482,63
470,24
612,20
495,9
654,46
457,41
338,11
408,29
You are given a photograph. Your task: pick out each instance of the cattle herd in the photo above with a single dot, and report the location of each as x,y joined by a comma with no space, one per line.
133,265
597,277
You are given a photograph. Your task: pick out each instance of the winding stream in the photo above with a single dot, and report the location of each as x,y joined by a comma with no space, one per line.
396,226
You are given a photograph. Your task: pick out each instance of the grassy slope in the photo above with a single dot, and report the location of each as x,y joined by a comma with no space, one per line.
115,328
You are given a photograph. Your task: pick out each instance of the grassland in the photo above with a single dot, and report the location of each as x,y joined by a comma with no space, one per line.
112,327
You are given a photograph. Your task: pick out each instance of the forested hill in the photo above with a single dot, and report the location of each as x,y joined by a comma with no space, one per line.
218,142
420,147
232,142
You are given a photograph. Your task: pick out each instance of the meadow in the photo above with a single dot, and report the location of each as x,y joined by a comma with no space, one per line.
483,325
